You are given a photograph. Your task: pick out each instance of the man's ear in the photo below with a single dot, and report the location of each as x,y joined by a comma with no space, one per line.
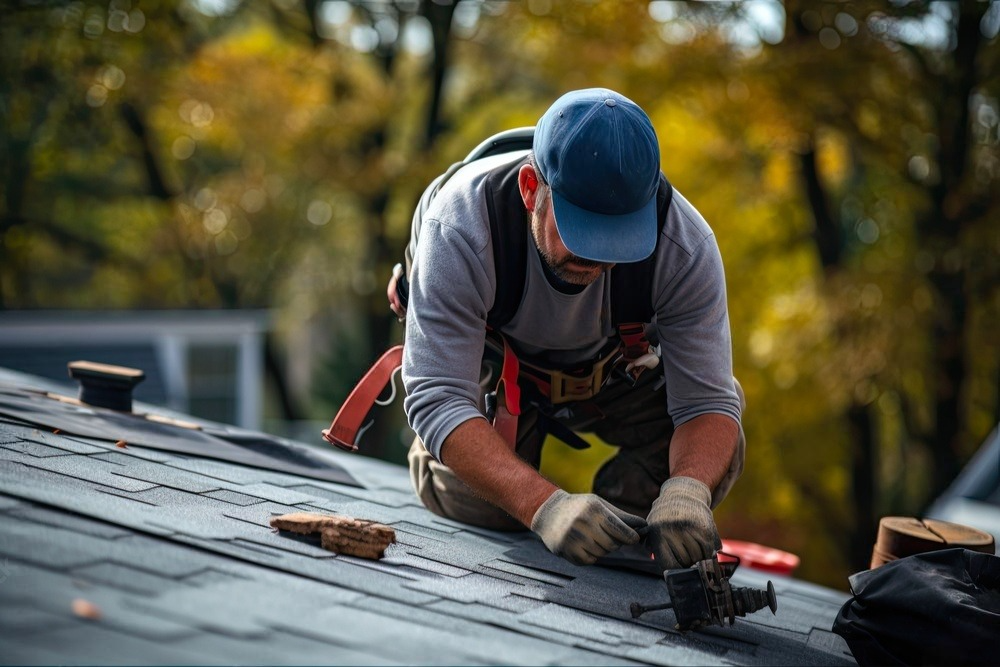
527,183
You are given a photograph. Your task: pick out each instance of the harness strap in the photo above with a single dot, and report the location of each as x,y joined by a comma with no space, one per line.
633,335
346,426
508,378
509,409
636,352
633,350
561,431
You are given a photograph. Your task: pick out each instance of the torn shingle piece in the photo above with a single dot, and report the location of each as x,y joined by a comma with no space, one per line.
340,534
332,541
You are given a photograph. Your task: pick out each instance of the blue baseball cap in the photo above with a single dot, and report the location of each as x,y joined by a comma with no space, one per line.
598,152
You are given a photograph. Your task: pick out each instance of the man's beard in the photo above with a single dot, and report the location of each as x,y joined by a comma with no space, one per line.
561,268
563,272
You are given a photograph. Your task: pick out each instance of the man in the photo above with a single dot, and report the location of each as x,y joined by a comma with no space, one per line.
591,197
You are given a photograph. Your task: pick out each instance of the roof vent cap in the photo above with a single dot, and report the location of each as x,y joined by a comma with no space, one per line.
104,385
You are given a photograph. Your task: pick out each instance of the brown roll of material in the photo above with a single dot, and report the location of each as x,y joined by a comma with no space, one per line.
900,536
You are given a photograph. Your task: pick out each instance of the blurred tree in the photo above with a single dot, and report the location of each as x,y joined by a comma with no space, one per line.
389,23
214,155
905,91
102,210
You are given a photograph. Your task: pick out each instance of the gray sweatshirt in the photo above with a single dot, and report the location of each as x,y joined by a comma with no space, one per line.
452,288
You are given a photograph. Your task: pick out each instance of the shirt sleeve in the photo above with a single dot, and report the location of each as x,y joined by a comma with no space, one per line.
692,324
452,287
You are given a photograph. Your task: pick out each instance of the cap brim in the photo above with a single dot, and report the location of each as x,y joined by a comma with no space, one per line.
612,239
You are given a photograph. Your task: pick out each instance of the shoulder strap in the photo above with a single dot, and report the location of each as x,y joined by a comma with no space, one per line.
632,284
509,232
508,141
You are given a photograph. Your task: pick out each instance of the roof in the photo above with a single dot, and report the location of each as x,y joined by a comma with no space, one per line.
160,552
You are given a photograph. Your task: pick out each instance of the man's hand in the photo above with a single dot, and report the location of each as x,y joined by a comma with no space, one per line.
392,295
681,528
583,527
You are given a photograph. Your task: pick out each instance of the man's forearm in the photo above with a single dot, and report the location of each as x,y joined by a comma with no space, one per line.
703,448
481,458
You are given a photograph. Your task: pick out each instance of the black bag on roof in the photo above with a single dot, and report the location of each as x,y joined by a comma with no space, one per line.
935,608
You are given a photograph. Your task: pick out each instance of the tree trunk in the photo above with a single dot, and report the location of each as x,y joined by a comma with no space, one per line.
940,232
864,463
440,16
826,232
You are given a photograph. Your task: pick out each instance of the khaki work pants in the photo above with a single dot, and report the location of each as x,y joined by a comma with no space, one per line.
633,419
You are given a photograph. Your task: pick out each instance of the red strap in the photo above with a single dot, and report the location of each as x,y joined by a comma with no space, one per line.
633,335
343,431
508,379
508,398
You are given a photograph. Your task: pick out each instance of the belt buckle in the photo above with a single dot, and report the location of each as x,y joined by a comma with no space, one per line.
566,388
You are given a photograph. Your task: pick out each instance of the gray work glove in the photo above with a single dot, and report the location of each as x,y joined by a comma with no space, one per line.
582,527
681,528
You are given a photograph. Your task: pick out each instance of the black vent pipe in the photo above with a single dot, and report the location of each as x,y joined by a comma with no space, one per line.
104,385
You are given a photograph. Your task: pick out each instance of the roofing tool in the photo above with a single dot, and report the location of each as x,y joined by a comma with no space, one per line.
702,595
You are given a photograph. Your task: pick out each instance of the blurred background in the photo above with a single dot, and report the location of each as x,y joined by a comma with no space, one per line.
216,191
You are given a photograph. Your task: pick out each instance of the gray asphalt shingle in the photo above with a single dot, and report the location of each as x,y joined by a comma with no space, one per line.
177,553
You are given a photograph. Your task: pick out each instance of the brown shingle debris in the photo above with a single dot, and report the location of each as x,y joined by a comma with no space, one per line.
86,609
340,534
